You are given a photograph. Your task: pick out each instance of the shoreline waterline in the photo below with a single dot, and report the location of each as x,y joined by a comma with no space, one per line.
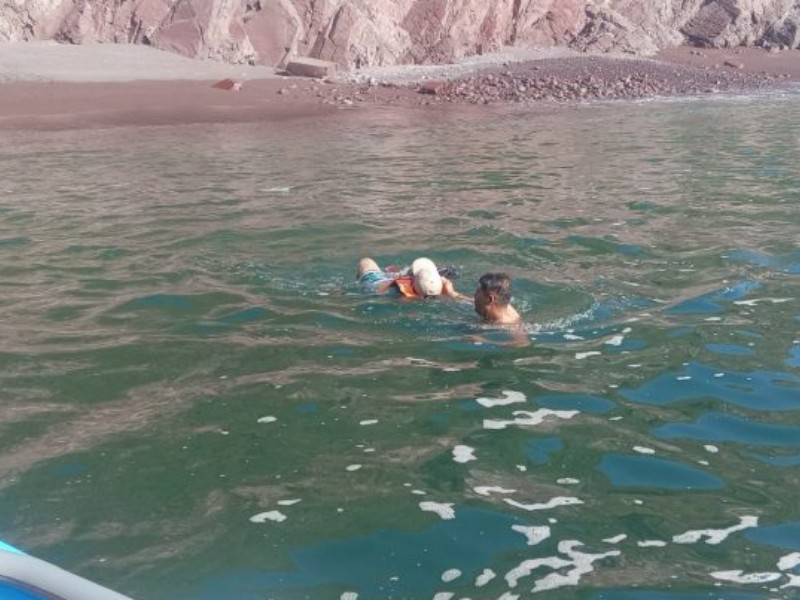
189,98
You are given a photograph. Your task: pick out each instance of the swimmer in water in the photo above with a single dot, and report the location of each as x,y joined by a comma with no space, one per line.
492,299
492,302
421,280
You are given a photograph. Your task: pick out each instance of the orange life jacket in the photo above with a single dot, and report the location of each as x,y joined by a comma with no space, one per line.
404,285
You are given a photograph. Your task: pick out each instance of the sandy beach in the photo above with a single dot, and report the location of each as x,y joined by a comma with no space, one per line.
50,86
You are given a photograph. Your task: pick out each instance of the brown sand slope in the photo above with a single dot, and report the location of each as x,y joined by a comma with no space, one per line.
88,95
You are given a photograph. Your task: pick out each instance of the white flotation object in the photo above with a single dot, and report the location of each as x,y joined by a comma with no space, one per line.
24,577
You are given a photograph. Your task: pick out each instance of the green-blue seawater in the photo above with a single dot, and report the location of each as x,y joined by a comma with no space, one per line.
198,403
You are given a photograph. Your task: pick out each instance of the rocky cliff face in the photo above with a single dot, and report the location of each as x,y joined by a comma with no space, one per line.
357,33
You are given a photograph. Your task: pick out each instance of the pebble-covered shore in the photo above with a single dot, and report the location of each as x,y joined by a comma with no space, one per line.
569,80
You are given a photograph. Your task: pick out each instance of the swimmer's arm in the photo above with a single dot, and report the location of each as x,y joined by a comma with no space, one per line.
519,333
449,290
519,338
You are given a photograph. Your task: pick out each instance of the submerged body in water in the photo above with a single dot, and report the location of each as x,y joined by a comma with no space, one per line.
422,279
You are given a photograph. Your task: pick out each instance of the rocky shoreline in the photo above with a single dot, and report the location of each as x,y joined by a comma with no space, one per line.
594,78
543,82
571,79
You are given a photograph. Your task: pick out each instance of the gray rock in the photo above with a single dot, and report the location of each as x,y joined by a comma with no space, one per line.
310,67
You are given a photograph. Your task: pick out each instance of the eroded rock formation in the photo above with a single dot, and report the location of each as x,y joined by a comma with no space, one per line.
383,32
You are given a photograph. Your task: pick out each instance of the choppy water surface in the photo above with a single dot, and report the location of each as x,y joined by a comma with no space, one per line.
198,403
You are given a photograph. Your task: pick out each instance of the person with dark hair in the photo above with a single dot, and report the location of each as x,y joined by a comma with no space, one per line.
493,300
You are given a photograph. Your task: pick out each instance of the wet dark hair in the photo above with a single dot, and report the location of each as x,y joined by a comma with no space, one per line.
498,284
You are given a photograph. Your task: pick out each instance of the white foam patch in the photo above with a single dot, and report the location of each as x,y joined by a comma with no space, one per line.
509,397
570,578
443,509
550,504
527,567
419,492
713,319
794,581
443,595
420,361
267,419
643,450
451,575
485,577
582,355
742,577
651,544
572,337
348,596
463,454
289,502
756,301
368,422
581,563
683,377
718,375
714,536
524,417
616,539
790,561
616,340
485,490
273,515
710,448
568,481
508,596
353,467
534,534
